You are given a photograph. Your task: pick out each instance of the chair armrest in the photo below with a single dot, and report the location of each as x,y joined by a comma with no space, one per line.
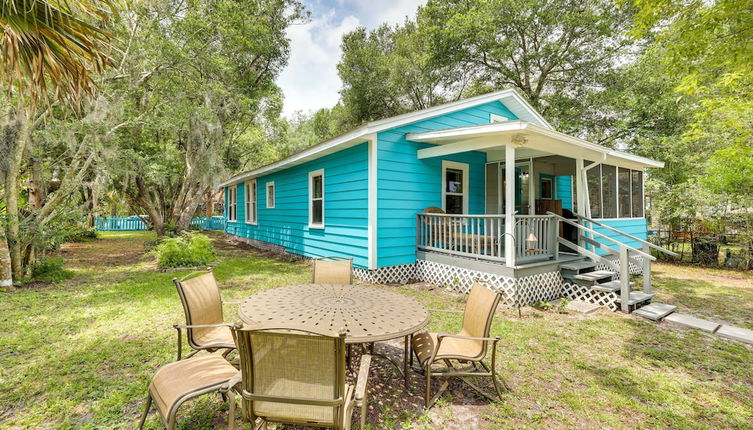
447,311
362,380
440,336
185,326
232,382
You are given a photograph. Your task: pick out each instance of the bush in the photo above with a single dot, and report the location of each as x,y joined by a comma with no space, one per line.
50,270
187,250
83,234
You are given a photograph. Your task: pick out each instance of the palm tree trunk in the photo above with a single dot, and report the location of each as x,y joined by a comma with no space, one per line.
6,276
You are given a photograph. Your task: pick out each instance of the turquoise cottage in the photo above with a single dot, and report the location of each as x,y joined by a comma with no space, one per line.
429,196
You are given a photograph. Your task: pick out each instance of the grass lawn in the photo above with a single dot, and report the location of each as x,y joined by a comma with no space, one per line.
79,353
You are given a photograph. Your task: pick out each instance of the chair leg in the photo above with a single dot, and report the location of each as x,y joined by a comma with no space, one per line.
146,411
231,412
427,395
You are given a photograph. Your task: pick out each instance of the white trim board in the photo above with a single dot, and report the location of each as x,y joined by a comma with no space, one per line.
373,202
479,137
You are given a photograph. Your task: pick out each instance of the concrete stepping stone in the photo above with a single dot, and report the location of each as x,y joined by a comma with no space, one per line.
655,311
582,307
736,333
692,322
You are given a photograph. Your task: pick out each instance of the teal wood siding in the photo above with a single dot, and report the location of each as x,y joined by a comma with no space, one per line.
407,185
345,208
633,226
565,191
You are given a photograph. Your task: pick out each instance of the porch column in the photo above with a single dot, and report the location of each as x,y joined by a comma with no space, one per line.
580,188
510,205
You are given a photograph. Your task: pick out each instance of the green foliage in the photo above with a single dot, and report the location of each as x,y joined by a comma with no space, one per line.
50,269
186,250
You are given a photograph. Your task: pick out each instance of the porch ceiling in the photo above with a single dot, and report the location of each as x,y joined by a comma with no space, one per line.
529,139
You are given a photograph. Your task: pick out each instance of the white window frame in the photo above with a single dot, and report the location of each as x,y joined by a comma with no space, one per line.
252,202
271,184
446,164
312,174
232,203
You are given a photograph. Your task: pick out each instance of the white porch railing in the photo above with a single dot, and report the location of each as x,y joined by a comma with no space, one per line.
483,236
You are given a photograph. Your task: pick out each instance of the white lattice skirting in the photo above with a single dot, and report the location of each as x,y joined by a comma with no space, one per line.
635,264
586,294
530,289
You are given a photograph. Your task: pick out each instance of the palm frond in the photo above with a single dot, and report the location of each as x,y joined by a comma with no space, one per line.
53,47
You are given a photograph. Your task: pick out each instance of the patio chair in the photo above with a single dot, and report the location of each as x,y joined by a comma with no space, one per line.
205,326
183,380
333,270
296,376
468,348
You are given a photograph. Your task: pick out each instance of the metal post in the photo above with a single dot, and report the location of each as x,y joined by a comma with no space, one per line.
624,279
646,270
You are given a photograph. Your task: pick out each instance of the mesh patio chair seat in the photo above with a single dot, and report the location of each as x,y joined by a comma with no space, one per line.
468,348
180,381
333,270
205,326
297,376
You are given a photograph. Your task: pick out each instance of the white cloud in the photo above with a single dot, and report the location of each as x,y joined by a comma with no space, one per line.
310,80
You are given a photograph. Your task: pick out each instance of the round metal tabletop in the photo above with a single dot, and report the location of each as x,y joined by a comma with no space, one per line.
367,314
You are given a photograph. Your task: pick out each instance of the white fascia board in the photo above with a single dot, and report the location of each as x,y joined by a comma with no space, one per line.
359,134
507,127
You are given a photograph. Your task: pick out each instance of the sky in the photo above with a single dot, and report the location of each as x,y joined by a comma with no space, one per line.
310,80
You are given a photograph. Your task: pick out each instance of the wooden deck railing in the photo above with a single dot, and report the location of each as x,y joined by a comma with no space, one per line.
483,236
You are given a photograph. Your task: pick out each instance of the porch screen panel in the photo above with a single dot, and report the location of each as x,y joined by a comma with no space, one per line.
594,191
609,191
492,188
637,193
624,192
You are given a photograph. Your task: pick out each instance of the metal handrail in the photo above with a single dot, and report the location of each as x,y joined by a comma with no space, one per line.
592,231
630,236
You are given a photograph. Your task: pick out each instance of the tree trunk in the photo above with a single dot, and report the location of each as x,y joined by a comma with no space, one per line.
6,276
208,203
17,134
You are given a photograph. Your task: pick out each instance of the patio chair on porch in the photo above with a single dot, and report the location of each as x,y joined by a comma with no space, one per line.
205,326
296,376
468,348
183,380
333,270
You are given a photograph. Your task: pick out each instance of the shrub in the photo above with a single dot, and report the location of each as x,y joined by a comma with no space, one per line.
50,270
187,250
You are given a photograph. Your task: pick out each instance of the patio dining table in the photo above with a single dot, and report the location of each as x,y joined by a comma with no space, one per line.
367,314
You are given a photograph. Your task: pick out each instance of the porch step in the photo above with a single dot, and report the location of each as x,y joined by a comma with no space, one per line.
613,286
595,276
636,297
577,266
655,311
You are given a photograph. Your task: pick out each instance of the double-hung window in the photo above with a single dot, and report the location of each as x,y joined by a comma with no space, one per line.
251,202
316,199
232,203
270,195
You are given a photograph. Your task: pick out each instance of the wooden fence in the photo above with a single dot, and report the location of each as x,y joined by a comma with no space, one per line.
135,223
